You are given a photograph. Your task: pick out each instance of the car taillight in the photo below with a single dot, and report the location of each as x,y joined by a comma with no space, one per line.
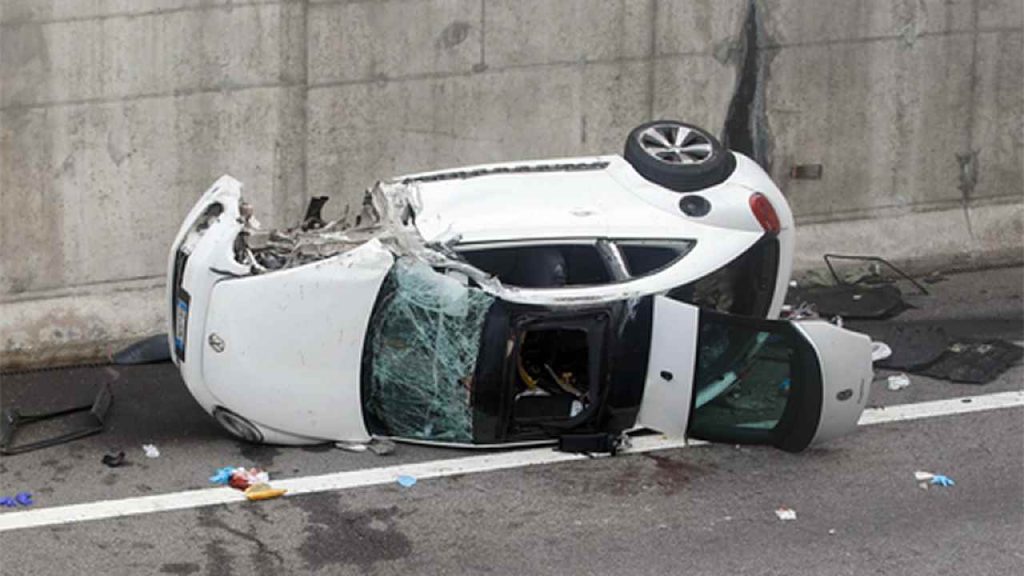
765,213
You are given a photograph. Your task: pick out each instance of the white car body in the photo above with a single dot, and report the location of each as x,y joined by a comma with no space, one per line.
279,356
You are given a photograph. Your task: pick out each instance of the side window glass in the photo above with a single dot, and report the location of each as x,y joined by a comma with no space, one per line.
645,257
542,266
744,382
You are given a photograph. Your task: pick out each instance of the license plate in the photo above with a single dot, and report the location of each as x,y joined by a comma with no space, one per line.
181,323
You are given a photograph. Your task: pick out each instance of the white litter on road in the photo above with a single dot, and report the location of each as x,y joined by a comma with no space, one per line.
898,382
441,468
786,513
151,451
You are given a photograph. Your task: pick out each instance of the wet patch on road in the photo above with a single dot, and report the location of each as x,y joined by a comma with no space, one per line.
336,536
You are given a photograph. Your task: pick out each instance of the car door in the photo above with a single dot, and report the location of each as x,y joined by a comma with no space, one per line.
744,380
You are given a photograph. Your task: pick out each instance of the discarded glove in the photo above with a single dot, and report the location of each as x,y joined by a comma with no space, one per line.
940,480
222,476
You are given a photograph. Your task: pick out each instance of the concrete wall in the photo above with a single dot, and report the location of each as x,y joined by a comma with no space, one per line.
116,114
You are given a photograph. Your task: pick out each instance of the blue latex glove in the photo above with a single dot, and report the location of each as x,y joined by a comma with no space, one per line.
223,475
940,480
24,498
8,502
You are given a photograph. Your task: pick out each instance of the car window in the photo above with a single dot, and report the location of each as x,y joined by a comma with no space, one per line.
744,382
647,257
542,265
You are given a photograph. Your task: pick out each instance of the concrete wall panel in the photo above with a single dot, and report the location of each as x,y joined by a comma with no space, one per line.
698,26
97,191
364,132
19,11
884,119
392,38
998,117
524,32
825,21
156,54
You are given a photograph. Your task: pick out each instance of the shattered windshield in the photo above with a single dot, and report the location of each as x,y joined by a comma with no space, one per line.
425,342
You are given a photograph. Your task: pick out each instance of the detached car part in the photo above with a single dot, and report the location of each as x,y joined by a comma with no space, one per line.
513,304
12,420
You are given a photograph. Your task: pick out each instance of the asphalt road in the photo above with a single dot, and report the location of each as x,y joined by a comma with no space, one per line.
701,510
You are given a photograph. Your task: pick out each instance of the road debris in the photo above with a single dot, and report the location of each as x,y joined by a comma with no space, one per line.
222,475
785,513
926,478
406,481
351,446
12,420
975,361
151,451
263,492
114,460
898,382
254,482
22,498
146,351
880,351
381,446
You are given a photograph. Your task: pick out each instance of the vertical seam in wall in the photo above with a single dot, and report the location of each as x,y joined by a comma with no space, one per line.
971,112
483,34
304,111
652,52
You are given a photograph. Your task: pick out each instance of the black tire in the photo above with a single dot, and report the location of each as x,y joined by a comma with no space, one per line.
683,168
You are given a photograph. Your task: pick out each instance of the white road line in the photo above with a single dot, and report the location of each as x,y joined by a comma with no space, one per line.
441,468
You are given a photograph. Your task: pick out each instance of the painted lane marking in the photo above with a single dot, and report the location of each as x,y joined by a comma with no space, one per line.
442,468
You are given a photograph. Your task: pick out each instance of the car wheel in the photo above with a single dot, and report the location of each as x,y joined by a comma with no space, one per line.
237,425
678,156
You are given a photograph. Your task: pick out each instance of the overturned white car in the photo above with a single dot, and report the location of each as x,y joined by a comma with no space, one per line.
516,303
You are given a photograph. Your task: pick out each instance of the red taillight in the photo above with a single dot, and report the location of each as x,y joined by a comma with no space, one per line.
765,213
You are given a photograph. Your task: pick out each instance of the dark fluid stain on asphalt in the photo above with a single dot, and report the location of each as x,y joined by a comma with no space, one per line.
266,561
671,474
336,536
181,568
218,559
258,454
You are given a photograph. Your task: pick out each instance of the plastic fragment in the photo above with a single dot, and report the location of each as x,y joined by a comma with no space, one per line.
880,351
151,451
926,478
898,382
263,492
239,482
24,498
351,446
785,513
407,481
114,460
381,446
222,476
